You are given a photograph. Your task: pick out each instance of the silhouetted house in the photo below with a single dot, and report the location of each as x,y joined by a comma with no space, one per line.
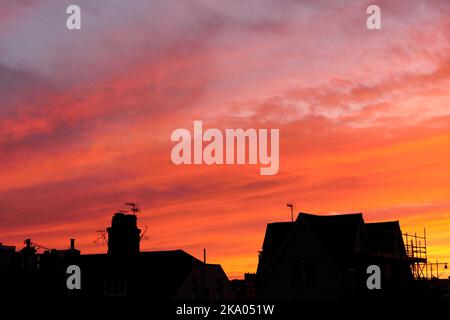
8,262
245,289
123,273
154,275
7,254
388,251
326,257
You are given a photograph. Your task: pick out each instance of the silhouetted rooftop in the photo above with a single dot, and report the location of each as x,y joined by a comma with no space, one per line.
336,233
275,234
164,269
386,237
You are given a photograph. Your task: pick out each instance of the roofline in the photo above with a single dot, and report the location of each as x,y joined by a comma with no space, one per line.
325,215
380,222
329,214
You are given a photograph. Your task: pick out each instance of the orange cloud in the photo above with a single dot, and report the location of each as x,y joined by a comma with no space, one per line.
363,119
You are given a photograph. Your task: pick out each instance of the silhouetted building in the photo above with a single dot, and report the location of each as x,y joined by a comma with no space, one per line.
245,289
326,257
7,254
158,275
123,273
8,265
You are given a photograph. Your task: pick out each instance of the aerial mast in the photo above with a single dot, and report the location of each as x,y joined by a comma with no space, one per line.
134,207
291,205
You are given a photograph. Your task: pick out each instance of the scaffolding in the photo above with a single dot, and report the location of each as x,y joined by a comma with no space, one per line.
416,250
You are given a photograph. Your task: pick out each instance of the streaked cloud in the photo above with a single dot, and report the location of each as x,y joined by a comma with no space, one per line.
86,117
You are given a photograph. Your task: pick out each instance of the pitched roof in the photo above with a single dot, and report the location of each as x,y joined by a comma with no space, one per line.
276,232
386,238
336,233
164,270
167,269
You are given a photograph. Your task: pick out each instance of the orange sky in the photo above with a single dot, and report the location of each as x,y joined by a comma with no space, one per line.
86,118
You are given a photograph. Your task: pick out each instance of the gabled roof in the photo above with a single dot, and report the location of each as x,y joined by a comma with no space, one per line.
167,269
275,234
386,238
342,237
336,233
275,237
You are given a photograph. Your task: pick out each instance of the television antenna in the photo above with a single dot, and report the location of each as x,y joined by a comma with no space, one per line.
143,236
291,205
134,207
101,237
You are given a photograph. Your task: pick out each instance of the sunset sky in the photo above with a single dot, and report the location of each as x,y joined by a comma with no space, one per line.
86,118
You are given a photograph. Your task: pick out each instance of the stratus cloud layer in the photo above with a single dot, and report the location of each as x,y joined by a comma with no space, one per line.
86,117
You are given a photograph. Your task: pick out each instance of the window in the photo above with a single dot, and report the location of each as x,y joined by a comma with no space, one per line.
296,274
219,288
303,272
116,287
310,273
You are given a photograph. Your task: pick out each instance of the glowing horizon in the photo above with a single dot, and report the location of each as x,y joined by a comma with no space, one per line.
86,118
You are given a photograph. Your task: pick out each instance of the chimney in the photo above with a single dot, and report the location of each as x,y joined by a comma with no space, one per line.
28,249
72,244
123,235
